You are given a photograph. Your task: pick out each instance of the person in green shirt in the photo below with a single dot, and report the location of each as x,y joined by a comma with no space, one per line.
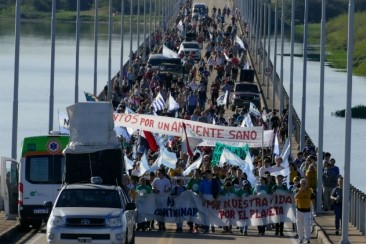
227,190
244,191
194,185
141,189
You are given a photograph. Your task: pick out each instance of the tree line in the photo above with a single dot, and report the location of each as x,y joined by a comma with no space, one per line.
71,5
334,8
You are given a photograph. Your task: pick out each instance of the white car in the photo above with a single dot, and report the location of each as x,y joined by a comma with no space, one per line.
91,213
190,47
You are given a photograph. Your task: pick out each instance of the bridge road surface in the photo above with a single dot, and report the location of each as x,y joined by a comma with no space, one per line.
170,237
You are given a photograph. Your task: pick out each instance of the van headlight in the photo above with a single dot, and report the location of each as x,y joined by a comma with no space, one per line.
56,221
116,221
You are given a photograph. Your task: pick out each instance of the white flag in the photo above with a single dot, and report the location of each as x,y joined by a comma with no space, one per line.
247,121
128,164
130,131
249,170
231,159
144,165
63,121
254,110
169,159
193,166
221,100
172,104
276,146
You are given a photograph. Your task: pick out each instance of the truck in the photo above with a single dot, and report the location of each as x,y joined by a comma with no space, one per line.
49,162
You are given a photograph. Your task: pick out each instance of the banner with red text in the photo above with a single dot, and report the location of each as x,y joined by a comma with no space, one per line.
239,211
173,126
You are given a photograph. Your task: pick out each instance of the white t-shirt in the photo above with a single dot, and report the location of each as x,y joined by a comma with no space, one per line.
264,169
162,185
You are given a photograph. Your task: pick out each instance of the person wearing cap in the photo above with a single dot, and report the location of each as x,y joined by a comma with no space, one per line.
279,187
244,191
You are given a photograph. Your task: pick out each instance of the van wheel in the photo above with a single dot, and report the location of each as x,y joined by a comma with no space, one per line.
36,224
24,225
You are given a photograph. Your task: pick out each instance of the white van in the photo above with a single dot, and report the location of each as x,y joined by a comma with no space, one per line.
37,178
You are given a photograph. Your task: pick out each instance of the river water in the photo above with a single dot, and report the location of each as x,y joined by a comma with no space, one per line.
35,75
335,88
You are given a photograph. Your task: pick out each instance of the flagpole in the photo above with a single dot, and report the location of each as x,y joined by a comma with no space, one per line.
110,52
131,10
264,60
348,134
321,109
290,119
77,51
269,46
150,19
144,51
138,28
96,46
52,75
122,39
274,72
282,50
304,73
16,80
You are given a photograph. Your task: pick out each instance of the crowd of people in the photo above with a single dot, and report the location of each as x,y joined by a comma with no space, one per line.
196,95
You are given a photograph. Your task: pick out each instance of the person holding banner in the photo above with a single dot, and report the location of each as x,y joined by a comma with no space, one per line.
303,199
161,185
262,188
209,190
244,191
280,186
193,185
227,190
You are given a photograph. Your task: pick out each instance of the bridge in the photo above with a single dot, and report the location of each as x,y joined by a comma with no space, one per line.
324,230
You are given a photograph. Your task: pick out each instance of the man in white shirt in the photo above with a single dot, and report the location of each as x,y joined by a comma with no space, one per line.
161,186
266,167
278,166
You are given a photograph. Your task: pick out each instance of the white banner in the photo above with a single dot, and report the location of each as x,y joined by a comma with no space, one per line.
267,142
252,210
173,126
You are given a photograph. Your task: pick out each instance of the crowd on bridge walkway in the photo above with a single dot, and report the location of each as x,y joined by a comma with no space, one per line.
145,90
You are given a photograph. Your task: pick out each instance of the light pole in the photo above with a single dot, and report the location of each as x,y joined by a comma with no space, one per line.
304,73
